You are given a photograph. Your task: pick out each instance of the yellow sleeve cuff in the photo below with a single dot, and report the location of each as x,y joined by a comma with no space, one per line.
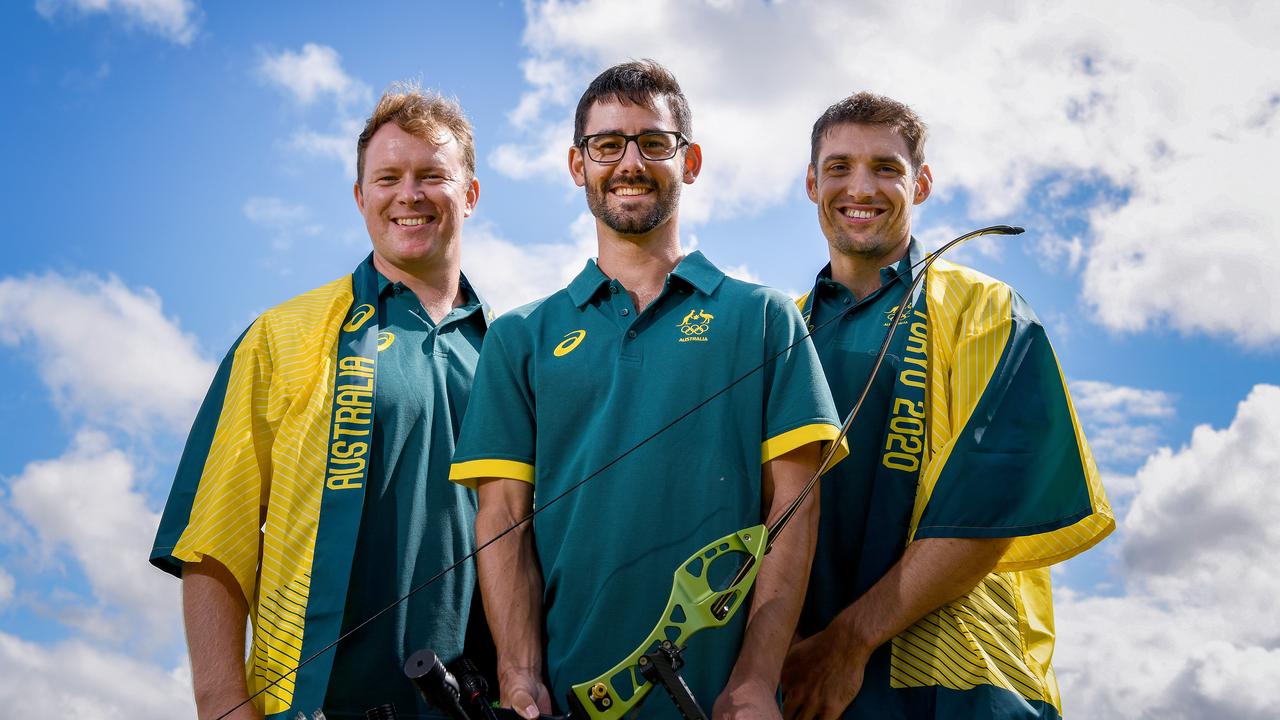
779,445
466,473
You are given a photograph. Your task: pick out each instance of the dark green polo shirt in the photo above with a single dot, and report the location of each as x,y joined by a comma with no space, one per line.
863,529
568,384
414,522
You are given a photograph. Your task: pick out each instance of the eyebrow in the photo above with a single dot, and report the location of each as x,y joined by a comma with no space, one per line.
618,131
845,157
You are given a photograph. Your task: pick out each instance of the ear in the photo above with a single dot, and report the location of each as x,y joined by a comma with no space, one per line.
811,183
692,162
576,168
355,189
473,196
924,184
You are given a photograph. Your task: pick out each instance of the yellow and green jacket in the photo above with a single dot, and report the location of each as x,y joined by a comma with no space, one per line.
271,480
977,438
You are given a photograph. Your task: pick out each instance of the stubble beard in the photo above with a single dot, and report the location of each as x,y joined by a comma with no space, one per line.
626,223
875,247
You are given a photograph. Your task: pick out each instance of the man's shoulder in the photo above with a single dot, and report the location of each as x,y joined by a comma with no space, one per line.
733,290
301,323
314,305
521,321
975,293
963,282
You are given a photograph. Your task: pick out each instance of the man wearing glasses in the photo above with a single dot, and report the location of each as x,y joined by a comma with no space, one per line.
582,384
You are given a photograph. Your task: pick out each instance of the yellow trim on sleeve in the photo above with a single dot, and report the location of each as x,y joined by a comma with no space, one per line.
466,473
779,445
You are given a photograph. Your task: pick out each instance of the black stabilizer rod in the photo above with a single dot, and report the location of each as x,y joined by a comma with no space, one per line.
437,686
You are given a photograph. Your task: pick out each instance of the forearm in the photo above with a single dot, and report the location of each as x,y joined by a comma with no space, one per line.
784,572
215,613
931,573
510,582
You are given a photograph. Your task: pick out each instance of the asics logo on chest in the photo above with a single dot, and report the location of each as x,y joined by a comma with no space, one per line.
571,341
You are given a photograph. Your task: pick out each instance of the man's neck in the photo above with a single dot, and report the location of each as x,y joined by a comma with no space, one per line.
861,273
640,262
438,287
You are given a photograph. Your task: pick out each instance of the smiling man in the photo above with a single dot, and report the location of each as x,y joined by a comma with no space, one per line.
582,384
313,490
968,473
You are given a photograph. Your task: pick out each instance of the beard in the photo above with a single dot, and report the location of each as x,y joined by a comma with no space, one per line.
868,248
631,223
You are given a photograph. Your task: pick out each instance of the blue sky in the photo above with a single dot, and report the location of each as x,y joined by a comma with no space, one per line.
176,167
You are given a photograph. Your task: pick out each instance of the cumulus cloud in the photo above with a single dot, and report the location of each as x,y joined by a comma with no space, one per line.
112,358
86,504
174,20
314,72
508,275
1196,634
77,680
1124,424
312,75
1023,100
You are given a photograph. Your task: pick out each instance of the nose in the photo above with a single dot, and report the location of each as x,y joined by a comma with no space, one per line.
632,161
862,184
411,194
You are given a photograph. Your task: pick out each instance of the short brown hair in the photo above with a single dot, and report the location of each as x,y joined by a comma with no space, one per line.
640,82
424,114
866,108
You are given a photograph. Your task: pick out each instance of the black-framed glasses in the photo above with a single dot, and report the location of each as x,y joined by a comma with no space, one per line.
610,147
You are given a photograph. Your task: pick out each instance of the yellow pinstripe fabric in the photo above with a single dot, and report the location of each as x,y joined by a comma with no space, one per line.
1001,633
266,468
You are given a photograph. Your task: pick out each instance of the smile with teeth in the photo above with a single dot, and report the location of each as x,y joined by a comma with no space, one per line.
630,190
410,222
860,214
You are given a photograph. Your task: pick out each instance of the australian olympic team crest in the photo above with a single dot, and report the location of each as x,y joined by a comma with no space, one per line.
888,314
696,325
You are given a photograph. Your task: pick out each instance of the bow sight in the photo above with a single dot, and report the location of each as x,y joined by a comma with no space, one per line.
694,605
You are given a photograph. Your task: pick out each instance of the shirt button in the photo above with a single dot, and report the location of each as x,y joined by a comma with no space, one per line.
631,334
624,312
846,300
613,289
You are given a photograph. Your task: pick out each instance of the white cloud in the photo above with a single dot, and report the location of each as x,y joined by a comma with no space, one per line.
1124,424
1019,97
111,357
1106,403
339,145
1196,634
508,275
175,20
86,504
285,221
7,584
313,73
77,680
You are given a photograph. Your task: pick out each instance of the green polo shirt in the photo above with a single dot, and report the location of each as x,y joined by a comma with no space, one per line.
863,528
569,384
413,523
